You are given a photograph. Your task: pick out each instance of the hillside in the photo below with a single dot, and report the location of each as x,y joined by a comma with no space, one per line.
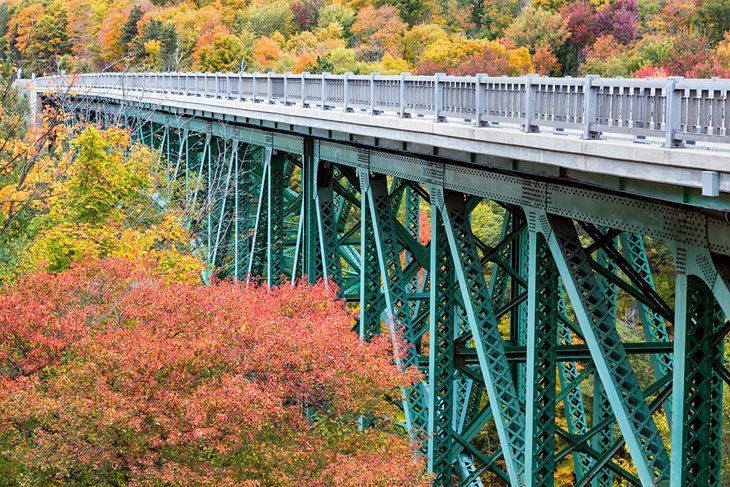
497,37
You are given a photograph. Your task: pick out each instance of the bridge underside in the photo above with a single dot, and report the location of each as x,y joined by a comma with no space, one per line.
508,289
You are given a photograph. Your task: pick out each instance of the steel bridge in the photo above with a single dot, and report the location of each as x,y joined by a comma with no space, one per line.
381,184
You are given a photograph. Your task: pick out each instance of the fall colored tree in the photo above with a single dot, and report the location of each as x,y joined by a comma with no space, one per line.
98,200
223,54
108,375
377,31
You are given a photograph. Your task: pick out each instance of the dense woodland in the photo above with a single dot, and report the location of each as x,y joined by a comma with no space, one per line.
497,37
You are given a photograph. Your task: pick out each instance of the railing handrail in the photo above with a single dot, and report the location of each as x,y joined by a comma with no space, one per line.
677,110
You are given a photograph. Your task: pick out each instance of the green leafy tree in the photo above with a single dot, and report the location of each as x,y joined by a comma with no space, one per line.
130,29
713,16
264,20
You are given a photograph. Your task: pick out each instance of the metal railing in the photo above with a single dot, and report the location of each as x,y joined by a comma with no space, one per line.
676,110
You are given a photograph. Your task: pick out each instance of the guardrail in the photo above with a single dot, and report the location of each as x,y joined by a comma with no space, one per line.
676,110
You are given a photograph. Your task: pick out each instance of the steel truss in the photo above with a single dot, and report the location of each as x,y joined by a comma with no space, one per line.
514,335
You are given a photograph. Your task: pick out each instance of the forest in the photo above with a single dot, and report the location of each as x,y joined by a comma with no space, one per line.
629,38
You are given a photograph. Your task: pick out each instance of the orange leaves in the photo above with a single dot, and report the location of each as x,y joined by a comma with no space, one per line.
184,383
267,52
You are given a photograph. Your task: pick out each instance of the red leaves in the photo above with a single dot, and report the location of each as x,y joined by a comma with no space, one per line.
109,372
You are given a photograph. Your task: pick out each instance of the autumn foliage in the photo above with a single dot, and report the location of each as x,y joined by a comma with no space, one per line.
496,37
110,375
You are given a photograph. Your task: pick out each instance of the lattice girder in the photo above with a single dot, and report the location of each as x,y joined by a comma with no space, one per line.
613,366
488,341
541,383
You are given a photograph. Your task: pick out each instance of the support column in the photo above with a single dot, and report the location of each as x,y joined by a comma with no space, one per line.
327,223
275,220
542,309
312,255
488,342
575,413
601,406
613,366
258,255
697,394
372,300
441,352
395,296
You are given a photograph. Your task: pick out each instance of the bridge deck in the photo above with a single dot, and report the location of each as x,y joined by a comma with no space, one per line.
624,155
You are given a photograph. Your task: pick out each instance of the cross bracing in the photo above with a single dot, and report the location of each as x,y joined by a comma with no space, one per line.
515,334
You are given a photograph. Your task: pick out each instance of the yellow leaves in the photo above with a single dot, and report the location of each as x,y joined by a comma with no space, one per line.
519,60
722,55
453,47
100,204
393,65
10,197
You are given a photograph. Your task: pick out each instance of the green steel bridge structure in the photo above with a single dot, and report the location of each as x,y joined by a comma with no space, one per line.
375,183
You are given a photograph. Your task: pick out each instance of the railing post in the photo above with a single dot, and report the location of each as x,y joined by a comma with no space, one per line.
286,88
253,86
438,97
304,89
373,110
672,113
404,96
269,90
590,101
530,91
324,90
346,92
478,100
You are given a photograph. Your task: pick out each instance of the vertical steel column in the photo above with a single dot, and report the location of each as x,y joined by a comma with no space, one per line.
275,220
488,342
312,256
575,413
327,223
258,257
697,399
655,330
441,350
372,300
395,296
613,366
601,406
542,308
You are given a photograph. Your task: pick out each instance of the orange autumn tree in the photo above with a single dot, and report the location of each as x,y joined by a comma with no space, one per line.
108,375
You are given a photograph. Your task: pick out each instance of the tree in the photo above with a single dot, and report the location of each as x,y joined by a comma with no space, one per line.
266,53
342,60
713,16
223,54
535,27
100,200
130,29
418,38
164,57
109,375
305,13
377,31
265,19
